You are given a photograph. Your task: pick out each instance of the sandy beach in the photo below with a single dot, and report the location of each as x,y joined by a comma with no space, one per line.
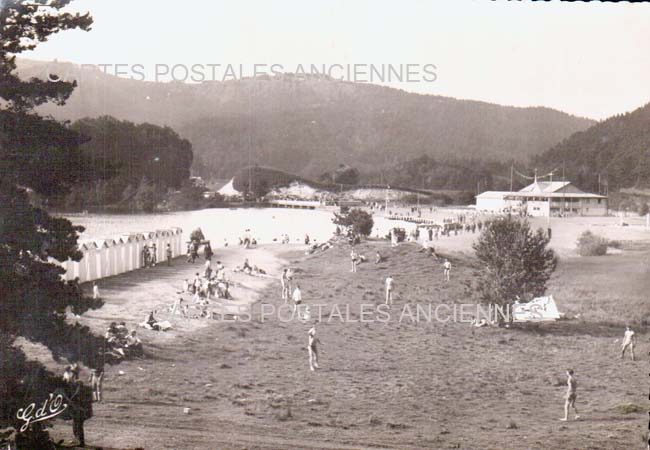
131,296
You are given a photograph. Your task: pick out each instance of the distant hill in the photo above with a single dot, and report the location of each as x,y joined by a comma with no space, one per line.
617,148
260,181
309,125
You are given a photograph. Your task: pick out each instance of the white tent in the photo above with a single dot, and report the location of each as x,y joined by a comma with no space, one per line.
537,310
229,190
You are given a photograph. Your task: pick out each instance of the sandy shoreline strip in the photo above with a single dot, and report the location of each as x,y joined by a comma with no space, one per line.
130,296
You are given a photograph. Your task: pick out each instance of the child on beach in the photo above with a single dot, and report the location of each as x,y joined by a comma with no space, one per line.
571,396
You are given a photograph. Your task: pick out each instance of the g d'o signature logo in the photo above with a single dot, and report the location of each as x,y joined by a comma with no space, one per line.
51,407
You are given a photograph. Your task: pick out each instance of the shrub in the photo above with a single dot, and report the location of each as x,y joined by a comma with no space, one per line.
358,220
516,261
590,244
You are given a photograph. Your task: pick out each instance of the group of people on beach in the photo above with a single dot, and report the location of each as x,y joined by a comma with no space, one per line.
122,343
214,283
149,255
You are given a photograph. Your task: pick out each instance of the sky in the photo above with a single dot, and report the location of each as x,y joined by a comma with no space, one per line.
587,59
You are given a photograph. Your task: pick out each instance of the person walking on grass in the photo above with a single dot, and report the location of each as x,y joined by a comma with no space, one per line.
312,348
571,396
284,281
96,380
389,290
296,297
629,340
353,259
446,269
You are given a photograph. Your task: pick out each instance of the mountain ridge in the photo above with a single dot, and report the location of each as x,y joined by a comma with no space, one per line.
309,124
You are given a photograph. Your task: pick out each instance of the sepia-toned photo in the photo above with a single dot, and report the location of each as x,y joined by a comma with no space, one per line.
283,225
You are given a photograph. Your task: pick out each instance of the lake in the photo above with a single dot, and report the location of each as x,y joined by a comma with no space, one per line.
218,224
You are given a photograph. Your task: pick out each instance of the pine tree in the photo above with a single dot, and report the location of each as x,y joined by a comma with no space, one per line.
516,262
42,155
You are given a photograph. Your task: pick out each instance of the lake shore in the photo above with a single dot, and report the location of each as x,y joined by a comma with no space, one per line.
129,297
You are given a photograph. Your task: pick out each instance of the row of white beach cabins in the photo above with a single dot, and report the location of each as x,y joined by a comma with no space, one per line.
106,257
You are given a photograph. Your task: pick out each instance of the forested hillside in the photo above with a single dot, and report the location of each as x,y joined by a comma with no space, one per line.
617,148
307,125
131,163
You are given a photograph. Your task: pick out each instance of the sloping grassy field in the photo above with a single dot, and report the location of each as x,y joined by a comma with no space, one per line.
401,385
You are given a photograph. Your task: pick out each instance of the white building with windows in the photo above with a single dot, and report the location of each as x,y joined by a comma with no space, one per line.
543,198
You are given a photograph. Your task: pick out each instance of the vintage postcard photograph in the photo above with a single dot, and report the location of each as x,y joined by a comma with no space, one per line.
325,225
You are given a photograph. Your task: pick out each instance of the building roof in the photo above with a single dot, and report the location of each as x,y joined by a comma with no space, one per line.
545,189
492,194
545,186
553,189
520,194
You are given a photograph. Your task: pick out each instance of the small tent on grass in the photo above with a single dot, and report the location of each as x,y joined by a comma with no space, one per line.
539,309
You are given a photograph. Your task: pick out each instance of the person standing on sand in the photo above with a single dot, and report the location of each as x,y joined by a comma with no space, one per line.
95,291
389,290
208,268
154,255
196,284
168,253
571,396
629,340
446,269
312,348
296,297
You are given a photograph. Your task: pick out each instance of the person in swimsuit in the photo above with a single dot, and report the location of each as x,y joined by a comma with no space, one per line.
389,290
296,297
571,396
446,269
312,348
284,281
629,340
